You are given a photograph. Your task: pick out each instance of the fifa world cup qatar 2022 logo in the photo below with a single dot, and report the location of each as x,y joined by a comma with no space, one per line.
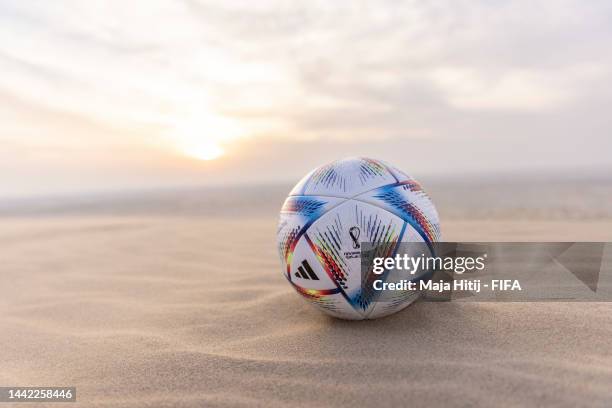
354,233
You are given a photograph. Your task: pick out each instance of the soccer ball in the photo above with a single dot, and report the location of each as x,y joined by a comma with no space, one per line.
327,218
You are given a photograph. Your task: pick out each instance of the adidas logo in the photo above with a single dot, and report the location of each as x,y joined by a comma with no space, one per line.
306,272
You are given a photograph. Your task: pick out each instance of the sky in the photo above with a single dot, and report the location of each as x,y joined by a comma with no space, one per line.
111,95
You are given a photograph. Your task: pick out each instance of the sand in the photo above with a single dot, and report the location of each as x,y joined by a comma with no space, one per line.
194,311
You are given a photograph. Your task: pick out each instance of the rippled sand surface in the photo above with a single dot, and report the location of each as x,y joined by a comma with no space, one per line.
193,311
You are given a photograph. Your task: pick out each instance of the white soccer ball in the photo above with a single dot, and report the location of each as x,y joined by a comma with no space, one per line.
327,217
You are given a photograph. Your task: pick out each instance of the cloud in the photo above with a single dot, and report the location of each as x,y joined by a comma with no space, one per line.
341,74
511,90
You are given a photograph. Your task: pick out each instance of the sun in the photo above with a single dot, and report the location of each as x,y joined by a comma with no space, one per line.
203,136
202,150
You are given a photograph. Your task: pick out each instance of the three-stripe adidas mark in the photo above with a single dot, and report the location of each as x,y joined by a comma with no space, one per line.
306,272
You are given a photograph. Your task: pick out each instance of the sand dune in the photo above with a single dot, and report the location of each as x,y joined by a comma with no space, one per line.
166,311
